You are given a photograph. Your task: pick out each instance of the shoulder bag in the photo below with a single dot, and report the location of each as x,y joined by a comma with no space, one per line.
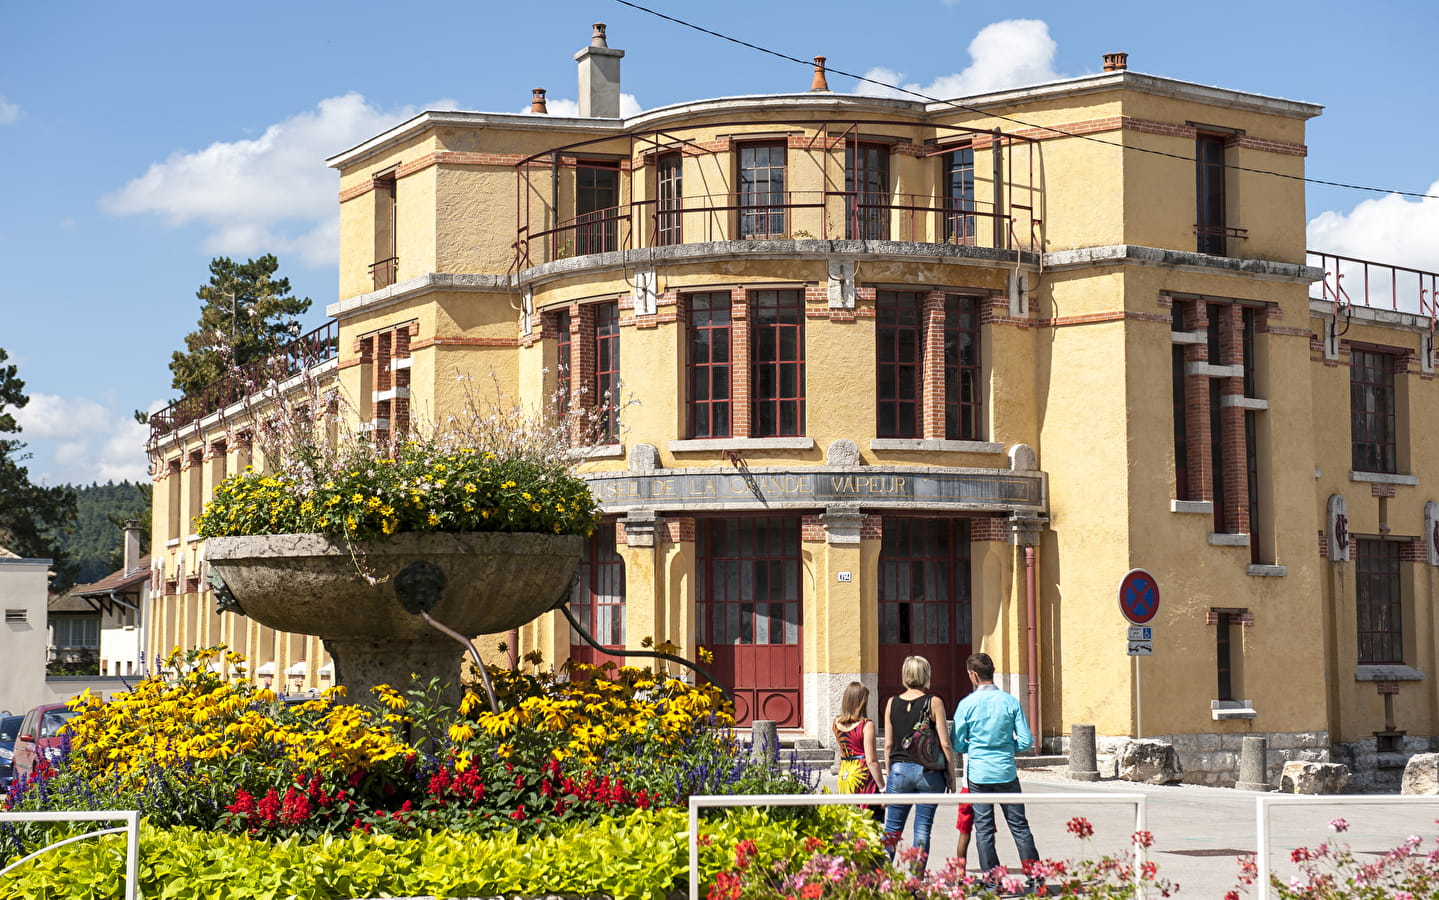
922,743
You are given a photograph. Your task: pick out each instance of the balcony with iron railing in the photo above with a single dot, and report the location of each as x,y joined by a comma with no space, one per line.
1351,282
305,352
786,215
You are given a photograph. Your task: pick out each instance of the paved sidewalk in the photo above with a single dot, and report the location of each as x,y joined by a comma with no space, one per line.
1199,832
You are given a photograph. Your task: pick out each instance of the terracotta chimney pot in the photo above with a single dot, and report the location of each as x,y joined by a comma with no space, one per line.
819,83
537,102
598,38
1116,62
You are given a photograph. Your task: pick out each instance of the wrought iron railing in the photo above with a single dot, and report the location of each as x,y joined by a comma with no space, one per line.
1358,282
787,215
308,350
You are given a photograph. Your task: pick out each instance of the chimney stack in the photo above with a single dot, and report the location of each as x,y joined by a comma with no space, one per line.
1116,62
537,102
132,545
819,83
599,77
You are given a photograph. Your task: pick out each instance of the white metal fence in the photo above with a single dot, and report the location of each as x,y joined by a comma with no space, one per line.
131,828
708,801
1264,802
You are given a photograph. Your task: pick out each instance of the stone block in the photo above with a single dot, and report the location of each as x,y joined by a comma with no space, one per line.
1150,762
1300,777
1421,775
1108,765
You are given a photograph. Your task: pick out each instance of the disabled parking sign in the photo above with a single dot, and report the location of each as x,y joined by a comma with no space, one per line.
1139,597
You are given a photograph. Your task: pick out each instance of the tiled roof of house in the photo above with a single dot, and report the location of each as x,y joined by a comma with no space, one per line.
118,580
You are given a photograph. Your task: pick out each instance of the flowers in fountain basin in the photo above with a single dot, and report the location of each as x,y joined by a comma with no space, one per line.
423,487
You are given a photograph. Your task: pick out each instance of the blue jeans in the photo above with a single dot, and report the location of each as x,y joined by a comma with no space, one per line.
984,829
911,778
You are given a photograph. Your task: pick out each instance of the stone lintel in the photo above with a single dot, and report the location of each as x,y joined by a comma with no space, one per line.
842,522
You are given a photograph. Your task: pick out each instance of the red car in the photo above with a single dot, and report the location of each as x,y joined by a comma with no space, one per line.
39,735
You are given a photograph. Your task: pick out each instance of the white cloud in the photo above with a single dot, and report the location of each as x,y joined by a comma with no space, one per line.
1003,55
629,106
1395,230
9,112
75,440
272,193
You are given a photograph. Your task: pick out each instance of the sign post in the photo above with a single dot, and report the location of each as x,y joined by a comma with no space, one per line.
1139,602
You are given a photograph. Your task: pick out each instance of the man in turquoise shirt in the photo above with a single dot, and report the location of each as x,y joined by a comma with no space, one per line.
989,729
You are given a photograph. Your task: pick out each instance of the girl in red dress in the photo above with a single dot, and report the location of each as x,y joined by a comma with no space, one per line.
858,765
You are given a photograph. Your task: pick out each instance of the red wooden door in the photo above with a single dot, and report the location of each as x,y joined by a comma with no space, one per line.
924,607
748,613
599,599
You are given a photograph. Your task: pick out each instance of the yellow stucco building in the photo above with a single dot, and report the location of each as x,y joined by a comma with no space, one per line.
916,377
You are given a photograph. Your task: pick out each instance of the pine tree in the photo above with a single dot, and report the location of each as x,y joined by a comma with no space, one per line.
31,516
247,316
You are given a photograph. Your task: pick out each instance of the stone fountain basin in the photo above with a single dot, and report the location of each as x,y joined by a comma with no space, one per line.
312,584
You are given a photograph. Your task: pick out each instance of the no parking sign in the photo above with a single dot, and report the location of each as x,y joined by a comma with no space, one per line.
1139,597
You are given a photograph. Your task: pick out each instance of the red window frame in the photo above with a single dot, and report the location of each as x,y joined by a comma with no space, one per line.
597,200
563,362
709,364
959,223
963,402
899,363
866,186
607,371
669,191
1379,602
762,189
1209,202
1371,411
598,600
777,363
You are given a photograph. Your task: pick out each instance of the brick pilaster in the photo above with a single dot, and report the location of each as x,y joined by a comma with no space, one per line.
740,409
1231,423
1196,413
932,365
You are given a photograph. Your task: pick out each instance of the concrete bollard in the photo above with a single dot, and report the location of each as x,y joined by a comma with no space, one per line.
765,734
1253,768
1082,754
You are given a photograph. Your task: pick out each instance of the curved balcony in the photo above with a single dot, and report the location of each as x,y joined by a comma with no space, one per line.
825,180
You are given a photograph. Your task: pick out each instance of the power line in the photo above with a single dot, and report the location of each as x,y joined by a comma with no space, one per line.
1060,131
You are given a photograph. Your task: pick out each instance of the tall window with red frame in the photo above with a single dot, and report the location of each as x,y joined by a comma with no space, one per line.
962,407
563,362
709,364
597,199
1379,602
924,601
959,205
598,600
762,195
777,382
607,371
866,191
899,348
670,193
1371,411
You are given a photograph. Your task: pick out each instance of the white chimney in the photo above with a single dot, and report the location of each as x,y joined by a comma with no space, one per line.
599,77
132,545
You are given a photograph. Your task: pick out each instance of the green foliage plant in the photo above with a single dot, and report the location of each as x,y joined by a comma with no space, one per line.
32,516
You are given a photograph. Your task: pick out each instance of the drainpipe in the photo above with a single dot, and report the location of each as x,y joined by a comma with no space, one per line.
1031,605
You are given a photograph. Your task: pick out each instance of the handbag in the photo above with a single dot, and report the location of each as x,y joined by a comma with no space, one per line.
922,743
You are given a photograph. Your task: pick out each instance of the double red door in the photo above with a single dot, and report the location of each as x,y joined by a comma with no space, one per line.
599,599
748,613
924,607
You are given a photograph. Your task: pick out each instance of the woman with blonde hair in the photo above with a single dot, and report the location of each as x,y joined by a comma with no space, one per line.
908,718
854,732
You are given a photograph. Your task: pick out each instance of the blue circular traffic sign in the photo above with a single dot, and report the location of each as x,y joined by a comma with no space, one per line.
1139,597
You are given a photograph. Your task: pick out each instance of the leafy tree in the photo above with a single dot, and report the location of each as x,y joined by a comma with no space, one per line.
32,517
248,315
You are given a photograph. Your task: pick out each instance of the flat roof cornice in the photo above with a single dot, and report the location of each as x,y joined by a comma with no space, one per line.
923,111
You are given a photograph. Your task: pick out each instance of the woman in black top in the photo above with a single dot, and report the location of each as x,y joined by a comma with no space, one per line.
905,775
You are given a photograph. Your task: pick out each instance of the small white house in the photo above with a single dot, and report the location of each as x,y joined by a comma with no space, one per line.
24,585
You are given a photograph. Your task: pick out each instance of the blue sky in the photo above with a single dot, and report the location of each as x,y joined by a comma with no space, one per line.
142,139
